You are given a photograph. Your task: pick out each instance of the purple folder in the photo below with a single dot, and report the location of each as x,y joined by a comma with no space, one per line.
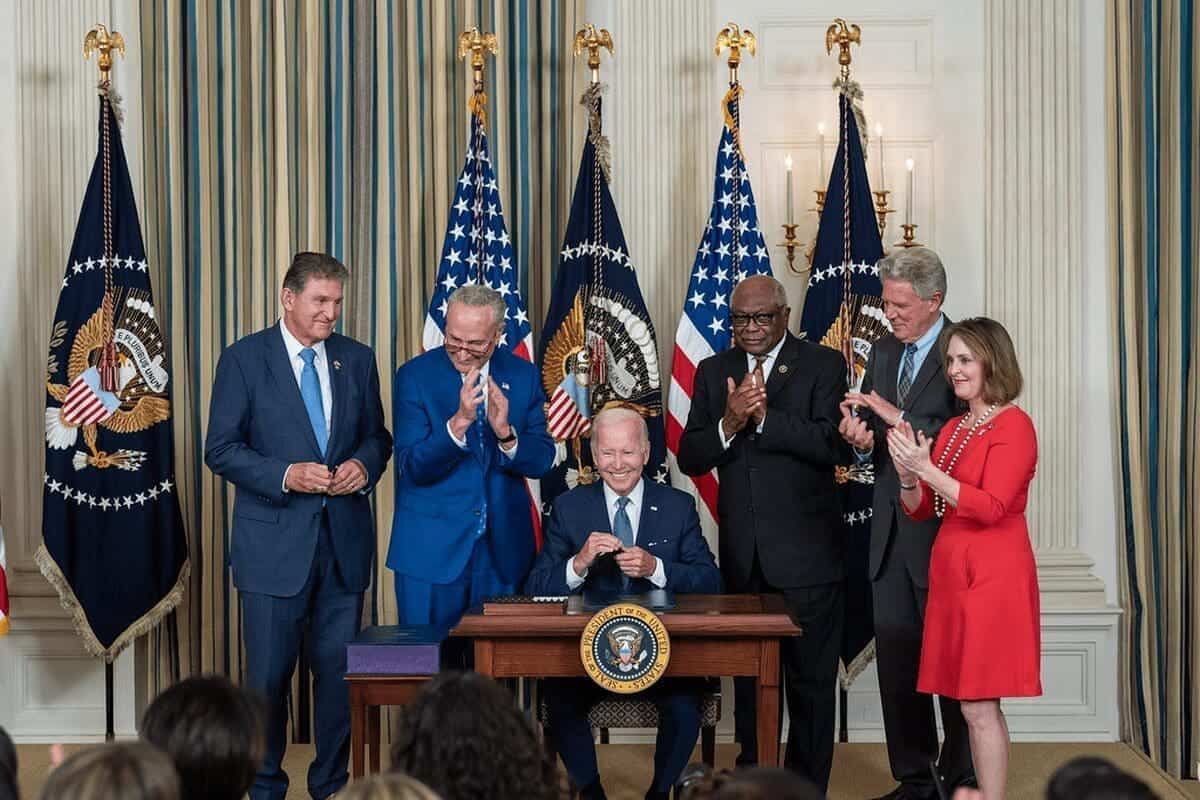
395,650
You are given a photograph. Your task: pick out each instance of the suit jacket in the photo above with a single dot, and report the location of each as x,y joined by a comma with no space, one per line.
778,495
930,402
668,528
258,426
441,489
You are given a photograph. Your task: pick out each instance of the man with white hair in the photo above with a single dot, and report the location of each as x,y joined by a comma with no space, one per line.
653,534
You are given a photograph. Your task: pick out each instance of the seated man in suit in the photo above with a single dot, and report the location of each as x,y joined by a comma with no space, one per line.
654,533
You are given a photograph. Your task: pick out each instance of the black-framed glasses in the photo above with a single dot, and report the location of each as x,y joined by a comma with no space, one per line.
762,319
476,347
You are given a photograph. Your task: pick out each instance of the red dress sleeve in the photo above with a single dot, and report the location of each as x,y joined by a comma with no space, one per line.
1007,471
924,509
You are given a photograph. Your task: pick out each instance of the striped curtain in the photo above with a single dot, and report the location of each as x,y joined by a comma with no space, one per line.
273,126
1154,215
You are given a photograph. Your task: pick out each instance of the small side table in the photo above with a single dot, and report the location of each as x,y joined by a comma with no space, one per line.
367,694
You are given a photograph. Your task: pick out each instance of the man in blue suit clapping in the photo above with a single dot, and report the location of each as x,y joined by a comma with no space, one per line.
470,428
653,532
296,425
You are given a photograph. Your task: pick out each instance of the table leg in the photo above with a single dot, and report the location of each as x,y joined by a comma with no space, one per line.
373,737
358,730
768,703
485,654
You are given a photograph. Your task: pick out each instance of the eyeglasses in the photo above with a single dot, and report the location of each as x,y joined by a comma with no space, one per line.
762,319
476,347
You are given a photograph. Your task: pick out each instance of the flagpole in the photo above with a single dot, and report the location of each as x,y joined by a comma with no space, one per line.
103,42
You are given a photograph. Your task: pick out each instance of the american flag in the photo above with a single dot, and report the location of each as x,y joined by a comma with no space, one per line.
731,248
477,249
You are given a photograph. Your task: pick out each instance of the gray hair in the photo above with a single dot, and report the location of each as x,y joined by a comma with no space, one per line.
615,415
779,294
918,266
307,265
477,295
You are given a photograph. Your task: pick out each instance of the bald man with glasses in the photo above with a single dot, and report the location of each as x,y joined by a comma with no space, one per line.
470,428
765,416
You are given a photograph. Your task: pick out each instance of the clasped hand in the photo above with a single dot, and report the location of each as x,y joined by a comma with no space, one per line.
312,478
632,561
909,451
471,395
745,401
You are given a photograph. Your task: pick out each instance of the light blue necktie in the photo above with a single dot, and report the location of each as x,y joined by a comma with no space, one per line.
479,426
906,374
623,530
310,391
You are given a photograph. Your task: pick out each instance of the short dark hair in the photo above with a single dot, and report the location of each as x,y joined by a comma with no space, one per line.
992,347
700,782
307,265
213,731
114,771
1094,778
463,737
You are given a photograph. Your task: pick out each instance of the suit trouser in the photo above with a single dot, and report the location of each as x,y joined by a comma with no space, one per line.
810,670
679,701
908,717
273,629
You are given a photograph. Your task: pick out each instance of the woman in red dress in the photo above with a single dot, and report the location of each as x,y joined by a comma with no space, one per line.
982,636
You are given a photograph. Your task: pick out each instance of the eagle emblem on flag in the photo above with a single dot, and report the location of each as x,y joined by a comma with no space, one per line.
137,398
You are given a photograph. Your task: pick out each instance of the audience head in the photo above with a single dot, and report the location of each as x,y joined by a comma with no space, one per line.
758,314
699,782
620,447
463,737
1092,778
312,296
981,362
474,325
114,771
213,731
387,787
914,288
8,767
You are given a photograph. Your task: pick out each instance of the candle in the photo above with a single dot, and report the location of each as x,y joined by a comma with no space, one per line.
788,162
879,136
908,210
821,155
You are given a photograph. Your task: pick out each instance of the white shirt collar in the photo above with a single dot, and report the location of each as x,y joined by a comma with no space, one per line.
769,359
635,497
294,346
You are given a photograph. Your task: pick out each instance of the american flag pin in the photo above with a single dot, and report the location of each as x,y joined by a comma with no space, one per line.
337,365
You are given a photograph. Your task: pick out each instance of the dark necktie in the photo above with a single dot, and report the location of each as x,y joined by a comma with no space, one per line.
906,374
623,530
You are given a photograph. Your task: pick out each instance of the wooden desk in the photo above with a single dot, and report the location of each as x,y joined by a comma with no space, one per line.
711,635
367,694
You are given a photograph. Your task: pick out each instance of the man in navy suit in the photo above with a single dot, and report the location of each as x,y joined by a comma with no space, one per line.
654,533
296,425
470,428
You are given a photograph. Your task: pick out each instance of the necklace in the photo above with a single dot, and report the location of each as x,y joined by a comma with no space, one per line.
939,502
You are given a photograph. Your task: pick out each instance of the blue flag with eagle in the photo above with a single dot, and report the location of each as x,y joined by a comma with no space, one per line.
113,539
843,310
598,347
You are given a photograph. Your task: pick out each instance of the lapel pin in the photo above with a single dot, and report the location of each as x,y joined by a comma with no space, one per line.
503,385
654,508
783,368
337,364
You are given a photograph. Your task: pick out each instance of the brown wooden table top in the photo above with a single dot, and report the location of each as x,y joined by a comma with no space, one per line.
700,615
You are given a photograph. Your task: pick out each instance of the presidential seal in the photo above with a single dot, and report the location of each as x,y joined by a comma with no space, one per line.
625,648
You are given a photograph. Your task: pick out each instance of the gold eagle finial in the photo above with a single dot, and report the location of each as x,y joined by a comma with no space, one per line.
592,40
100,40
735,39
477,44
843,35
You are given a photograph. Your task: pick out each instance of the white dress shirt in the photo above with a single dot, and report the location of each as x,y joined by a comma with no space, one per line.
510,449
768,365
634,510
321,365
